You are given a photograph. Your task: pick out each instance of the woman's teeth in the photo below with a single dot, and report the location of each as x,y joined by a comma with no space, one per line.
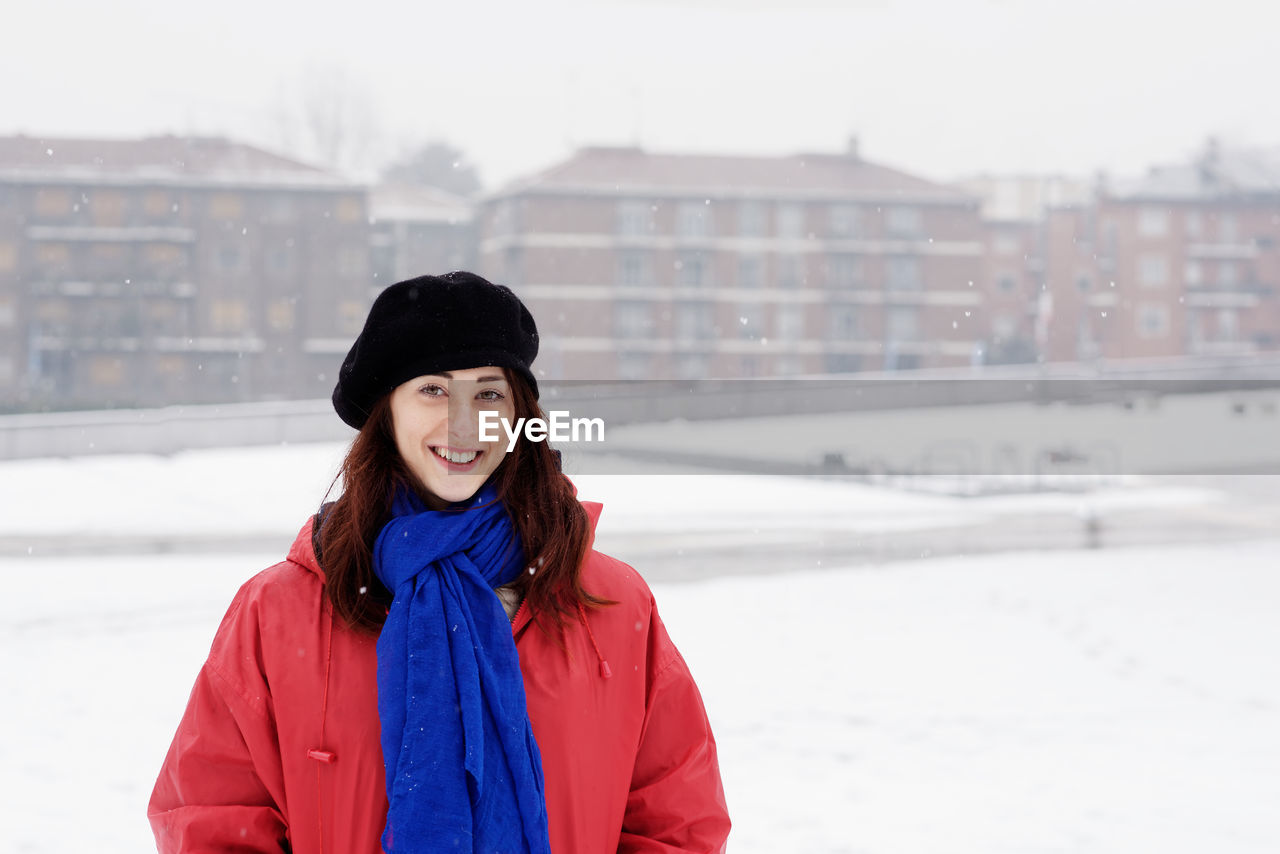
456,456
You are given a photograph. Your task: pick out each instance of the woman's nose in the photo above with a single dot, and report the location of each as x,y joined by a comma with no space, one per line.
463,425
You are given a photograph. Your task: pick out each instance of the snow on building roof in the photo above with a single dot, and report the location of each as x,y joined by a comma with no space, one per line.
159,159
1216,173
620,171
415,203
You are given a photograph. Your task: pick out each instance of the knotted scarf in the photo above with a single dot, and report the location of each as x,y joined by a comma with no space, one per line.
463,769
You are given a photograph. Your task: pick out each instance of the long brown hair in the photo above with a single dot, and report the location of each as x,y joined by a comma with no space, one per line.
553,526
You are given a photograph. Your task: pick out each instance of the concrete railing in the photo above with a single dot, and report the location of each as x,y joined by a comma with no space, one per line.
175,428
169,429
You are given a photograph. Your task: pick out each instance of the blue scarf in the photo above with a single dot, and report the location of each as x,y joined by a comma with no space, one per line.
463,769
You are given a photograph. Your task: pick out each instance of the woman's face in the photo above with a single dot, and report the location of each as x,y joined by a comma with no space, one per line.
436,419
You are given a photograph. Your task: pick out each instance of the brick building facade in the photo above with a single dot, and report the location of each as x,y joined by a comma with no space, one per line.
1184,261
642,265
142,272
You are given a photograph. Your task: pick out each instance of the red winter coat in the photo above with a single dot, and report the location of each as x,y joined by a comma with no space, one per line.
279,747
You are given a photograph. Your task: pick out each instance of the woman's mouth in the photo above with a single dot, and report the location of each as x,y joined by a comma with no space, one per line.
456,460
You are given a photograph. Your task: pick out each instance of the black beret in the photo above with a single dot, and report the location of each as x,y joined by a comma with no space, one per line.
430,324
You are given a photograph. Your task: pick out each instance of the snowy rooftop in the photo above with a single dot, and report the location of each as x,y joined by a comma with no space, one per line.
1217,173
158,159
620,170
407,203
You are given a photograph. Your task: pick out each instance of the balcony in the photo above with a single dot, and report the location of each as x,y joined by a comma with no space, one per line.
101,234
1222,251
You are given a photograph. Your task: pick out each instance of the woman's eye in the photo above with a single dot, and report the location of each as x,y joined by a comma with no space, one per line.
431,390
490,394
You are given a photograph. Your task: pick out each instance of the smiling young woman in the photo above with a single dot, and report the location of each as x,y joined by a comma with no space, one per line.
443,662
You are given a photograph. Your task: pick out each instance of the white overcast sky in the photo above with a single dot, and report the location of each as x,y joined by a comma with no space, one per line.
943,88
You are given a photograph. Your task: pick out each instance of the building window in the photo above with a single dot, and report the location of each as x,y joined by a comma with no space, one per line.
843,220
1153,320
790,271
110,261
503,221
158,204
232,259
228,316
752,219
790,220
53,260
1003,327
280,314
8,257
52,202
635,218
751,320
692,366
164,260
349,209
695,320
1228,324
1228,231
279,207
693,270
902,323
1005,244
513,266
903,222
351,317
1194,273
280,260
842,322
844,271
632,319
226,206
108,207
1228,274
353,261
1153,222
1153,271
635,269
789,322
750,271
1194,224
842,363
106,371
788,366
1083,283
7,312
693,219
634,365
902,274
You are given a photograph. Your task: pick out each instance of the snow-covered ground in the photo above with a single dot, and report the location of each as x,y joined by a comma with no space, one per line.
269,490
1100,701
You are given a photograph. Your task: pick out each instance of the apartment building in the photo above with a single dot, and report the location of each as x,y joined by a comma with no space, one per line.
168,269
1182,261
646,265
